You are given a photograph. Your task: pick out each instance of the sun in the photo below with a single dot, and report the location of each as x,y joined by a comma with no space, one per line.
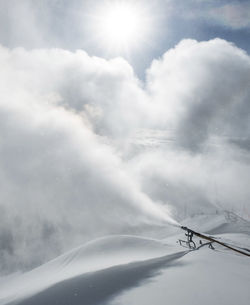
121,25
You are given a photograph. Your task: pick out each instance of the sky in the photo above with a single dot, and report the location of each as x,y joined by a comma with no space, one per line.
117,126
69,25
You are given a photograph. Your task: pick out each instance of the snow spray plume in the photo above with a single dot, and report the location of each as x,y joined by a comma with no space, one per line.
61,184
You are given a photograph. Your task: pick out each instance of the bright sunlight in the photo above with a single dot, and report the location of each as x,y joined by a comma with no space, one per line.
121,26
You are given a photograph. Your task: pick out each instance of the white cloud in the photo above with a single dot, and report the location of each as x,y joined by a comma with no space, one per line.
60,184
68,169
201,90
106,89
233,15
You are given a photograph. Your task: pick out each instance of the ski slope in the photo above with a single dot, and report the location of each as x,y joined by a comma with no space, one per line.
137,270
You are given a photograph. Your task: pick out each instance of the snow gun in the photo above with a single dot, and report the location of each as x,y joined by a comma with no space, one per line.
210,240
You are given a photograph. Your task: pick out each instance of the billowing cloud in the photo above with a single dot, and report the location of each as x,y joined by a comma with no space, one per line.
73,166
60,183
107,92
201,90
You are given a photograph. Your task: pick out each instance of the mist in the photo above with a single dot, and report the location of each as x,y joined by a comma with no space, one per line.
88,149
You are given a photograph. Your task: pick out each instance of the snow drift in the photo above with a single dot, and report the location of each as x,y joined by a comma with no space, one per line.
136,270
96,255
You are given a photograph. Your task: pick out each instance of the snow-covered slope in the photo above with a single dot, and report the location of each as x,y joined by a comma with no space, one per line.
134,270
96,255
201,277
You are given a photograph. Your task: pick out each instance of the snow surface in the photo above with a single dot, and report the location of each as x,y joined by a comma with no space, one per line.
135,270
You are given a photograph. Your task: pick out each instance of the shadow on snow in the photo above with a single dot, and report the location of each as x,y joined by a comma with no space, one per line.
101,286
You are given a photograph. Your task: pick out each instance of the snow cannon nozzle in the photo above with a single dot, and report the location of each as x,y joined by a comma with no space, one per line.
188,230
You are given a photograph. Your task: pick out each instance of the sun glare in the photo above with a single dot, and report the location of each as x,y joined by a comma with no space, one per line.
121,26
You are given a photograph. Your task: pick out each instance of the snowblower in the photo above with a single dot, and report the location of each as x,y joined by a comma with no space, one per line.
210,240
